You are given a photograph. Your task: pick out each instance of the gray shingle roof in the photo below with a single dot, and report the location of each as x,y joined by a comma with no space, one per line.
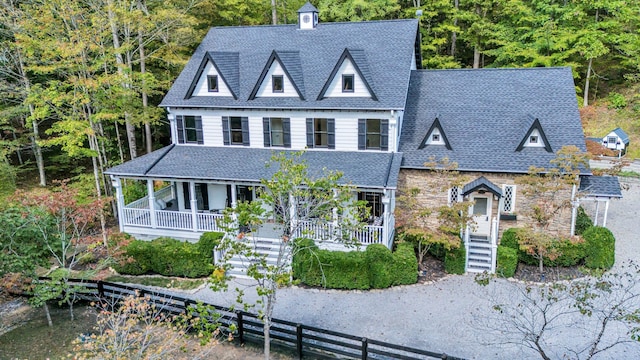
481,183
622,135
387,47
308,7
363,169
486,113
600,186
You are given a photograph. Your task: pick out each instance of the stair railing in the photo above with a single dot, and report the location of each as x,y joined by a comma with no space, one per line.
494,243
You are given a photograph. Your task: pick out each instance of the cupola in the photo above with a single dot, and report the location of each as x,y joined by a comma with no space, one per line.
307,17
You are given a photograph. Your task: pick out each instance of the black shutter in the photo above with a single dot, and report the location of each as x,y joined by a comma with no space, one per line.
199,135
267,132
245,131
225,130
362,134
286,132
331,133
384,134
310,133
180,129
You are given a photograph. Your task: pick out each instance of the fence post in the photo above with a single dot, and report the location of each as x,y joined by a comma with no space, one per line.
365,348
240,327
299,340
100,289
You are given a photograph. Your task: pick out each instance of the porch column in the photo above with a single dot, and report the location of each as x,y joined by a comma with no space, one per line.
117,184
234,196
152,204
386,200
574,210
606,210
194,205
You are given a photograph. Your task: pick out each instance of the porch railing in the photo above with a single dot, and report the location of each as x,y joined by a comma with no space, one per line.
175,220
164,194
136,217
208,222
326,231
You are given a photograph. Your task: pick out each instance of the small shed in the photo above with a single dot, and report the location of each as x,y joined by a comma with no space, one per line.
616,140
599,189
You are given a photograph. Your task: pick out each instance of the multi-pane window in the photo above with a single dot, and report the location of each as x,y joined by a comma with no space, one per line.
277,83
277,133
347,82
189,129
454,196
374,203
212,83
508,198
235,129
319,132
373,134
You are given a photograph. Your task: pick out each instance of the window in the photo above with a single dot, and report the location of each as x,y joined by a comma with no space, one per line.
508,198
277,83
612,139
201,196
533,139
212,83
374,203
189,129
244,193
454,196
277,132
235,130
373,134
435,137
321,133
347,83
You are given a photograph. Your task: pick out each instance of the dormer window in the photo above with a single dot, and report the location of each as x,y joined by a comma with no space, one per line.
435,138
533,139
212,83
277,83
347,83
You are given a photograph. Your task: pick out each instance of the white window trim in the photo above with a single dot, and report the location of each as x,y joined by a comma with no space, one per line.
459,197
513,198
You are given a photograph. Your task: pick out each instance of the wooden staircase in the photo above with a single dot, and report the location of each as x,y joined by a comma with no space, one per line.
479,253
266,246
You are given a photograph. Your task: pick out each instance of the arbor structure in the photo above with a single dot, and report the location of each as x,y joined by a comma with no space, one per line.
293,195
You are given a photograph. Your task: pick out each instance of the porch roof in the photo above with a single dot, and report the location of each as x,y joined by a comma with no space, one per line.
362,169
600,186
481,183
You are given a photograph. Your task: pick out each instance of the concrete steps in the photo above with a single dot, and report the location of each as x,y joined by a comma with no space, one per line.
264,246
479,254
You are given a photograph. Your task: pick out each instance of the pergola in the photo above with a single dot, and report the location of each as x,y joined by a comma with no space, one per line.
599,189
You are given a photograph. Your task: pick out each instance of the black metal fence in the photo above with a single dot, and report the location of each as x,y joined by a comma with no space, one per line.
305,340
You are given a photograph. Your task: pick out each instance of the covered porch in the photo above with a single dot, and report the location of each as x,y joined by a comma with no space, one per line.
184,208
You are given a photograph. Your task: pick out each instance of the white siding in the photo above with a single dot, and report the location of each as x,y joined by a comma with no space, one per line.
266,89
540,141
335,87
256,134
347,134
202,88
298,133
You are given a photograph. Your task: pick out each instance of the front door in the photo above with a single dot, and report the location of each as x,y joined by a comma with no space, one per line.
481,210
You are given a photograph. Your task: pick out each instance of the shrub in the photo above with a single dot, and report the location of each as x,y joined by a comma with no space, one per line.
376,267
571,253
405,265
169,257
510,239
208,242
616,100
583,221
600,248
454,261
507,261
438,251
380,261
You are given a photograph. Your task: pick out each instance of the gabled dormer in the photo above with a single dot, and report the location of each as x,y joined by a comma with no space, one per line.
435,136
350,77
535,137
307,17
281,77
217,75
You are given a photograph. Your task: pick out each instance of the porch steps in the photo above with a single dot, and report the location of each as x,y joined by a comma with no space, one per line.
479,255
265,246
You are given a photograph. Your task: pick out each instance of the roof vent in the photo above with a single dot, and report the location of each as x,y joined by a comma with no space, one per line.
307,17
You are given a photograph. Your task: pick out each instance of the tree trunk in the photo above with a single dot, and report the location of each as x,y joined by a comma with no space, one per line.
145,98
476,57
274,13
37,150
585,99
454,34
120,151
541,264
47,313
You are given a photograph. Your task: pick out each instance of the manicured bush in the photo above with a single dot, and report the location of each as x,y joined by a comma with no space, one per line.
169,257
510,239
583,221
438,251
455,260
600,248
208,242
405,265
376,267
571,252
380,261
507,261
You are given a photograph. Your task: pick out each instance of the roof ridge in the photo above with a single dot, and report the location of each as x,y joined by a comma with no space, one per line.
320,24
493,69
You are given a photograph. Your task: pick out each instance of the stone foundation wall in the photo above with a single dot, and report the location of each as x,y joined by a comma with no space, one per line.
433,194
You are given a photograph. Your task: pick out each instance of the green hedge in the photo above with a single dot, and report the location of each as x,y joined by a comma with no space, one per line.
455,260
170,257
583,221
376,267
600,248
507,261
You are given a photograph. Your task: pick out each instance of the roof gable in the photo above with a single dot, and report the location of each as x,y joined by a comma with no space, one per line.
621,134
535,137
351,62
429,139
224,65
481,183
281,63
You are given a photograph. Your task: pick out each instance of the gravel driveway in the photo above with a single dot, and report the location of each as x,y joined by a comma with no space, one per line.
444,316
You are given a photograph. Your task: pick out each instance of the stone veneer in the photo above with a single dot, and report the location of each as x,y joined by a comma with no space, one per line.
434,194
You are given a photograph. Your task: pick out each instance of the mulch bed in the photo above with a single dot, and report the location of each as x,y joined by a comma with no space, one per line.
432,269
532,273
